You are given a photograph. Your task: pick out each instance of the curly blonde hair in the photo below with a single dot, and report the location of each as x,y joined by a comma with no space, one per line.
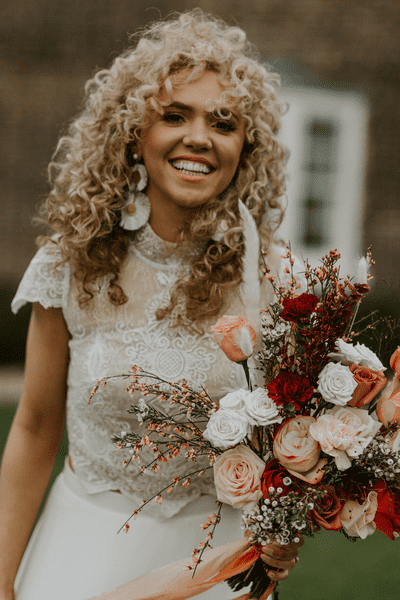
92,165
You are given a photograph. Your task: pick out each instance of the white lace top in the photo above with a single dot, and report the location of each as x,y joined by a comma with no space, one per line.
107,340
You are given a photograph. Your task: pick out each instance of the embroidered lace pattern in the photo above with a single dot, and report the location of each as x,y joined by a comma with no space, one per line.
108,340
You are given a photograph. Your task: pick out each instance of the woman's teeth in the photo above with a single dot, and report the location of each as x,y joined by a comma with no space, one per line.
190,168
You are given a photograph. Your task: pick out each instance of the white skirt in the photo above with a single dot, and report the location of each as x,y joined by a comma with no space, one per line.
75,552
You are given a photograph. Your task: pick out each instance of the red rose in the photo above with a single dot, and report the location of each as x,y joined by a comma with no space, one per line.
387,517
273,476
327,511
295,309
290,388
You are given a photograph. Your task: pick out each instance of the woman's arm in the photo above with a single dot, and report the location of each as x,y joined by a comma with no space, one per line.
34,438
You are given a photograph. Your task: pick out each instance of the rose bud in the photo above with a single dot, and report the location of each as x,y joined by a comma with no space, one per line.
369,384
235,336
388,407
395,362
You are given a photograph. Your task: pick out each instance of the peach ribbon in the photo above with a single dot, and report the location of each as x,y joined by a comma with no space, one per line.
175,582
238,565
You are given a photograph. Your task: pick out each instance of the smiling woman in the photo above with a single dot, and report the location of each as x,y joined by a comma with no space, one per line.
191,153
149,247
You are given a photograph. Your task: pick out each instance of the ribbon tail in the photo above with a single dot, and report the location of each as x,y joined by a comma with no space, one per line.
237,565
264,596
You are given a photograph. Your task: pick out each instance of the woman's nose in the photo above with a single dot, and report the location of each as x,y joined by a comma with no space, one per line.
198,135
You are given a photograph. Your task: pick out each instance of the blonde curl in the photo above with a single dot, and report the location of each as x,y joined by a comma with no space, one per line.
92,165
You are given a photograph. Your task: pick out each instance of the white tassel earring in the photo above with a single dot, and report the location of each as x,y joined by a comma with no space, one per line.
136,211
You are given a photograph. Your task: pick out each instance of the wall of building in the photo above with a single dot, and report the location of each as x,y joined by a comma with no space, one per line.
49,48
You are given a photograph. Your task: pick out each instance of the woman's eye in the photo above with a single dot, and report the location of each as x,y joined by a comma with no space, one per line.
225,125
172,118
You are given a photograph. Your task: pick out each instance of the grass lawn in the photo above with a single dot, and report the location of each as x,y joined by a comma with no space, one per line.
330,567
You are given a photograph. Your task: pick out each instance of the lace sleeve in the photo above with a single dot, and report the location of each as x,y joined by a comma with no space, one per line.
43,281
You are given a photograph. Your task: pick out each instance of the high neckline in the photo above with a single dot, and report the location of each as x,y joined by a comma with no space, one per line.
153,248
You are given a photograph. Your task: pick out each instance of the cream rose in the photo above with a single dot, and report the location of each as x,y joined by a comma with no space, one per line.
336,384
294,447
226,428
346,353
344,432
261,409
237,477
369,358
358,519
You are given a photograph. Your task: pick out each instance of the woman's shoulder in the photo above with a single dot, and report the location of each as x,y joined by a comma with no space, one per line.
46,280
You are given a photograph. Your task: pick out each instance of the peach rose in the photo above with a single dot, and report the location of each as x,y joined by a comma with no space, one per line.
237,477
313,475
388,407
235,336
358,519
369,384
395,362
393,440
294,447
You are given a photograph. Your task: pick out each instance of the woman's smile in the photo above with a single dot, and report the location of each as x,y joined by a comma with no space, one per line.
191,152
192,166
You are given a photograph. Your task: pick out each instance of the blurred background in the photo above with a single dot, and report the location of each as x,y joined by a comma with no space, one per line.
340,64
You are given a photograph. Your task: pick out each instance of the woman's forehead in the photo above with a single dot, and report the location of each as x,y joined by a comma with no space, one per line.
206,87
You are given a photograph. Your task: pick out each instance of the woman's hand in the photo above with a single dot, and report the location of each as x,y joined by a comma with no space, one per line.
280,557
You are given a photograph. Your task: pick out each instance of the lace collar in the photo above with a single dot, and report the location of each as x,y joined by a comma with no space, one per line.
151,247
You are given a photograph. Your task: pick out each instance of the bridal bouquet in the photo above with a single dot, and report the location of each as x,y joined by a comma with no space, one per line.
307,445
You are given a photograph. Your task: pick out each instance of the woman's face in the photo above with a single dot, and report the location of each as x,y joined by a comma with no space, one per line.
190,154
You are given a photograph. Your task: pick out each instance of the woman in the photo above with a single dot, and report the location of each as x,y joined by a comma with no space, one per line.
147,252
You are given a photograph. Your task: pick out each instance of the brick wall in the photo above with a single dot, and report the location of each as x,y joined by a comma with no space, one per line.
50,47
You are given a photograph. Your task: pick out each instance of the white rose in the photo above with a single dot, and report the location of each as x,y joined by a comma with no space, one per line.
346,353
369,358
358,519
336,384
234,400
261,408
226,428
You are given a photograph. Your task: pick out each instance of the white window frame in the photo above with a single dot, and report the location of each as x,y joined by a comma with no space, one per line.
350,111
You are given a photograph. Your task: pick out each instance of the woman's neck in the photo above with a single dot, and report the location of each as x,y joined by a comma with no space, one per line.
168,221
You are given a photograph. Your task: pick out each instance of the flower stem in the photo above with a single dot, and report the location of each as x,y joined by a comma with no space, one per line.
246,372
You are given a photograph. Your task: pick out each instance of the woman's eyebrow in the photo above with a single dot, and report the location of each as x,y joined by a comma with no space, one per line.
213,112
179,105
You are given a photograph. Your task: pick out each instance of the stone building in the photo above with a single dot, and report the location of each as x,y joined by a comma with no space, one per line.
339,62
